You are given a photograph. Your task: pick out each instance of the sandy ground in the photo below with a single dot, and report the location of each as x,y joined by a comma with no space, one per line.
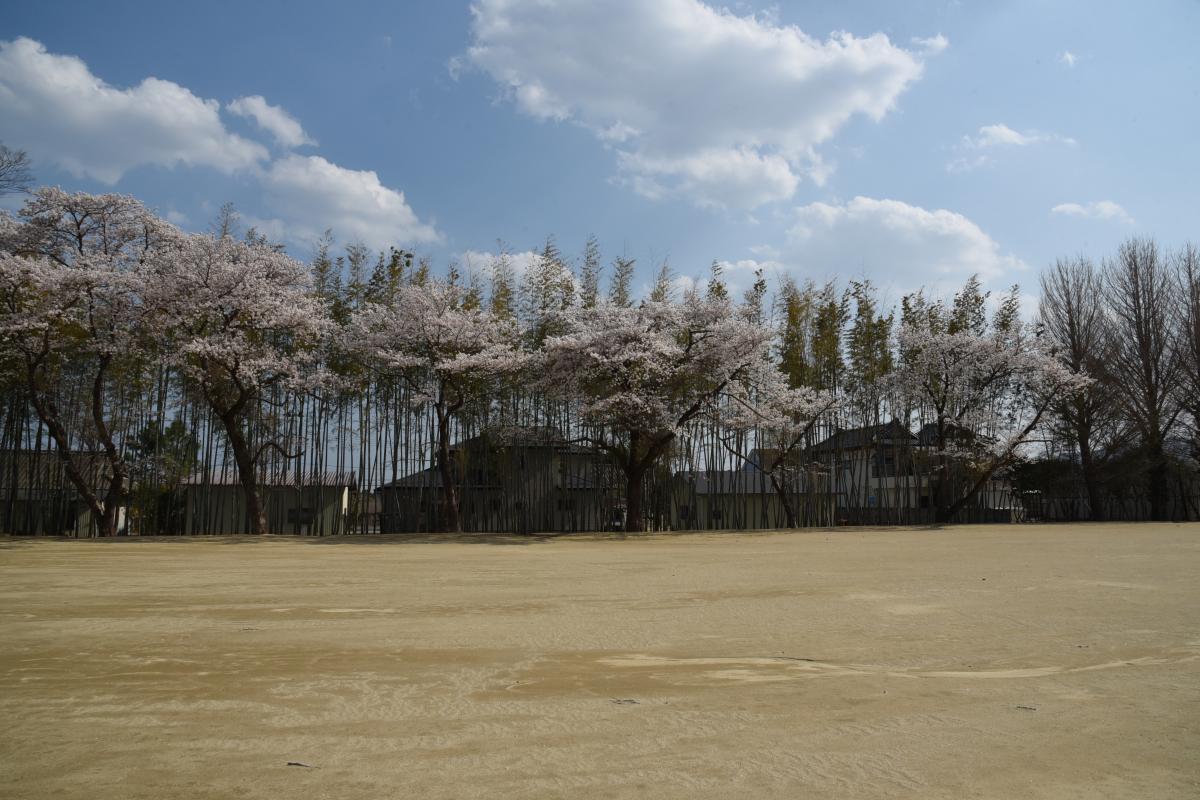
986,662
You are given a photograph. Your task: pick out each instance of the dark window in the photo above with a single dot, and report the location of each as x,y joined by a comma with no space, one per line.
300,516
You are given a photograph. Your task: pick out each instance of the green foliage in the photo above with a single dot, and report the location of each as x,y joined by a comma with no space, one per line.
663,292
589,274
620,289
869,343
503,293
754,301
829,324
969,311
548,290
716,285
795,313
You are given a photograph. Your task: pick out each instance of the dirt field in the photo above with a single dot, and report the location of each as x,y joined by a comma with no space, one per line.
989,662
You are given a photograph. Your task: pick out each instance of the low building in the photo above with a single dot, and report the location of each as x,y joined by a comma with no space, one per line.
513,480
308,504
746,499
884,474
37,498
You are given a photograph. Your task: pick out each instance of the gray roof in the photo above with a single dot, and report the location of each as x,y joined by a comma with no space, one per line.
43,469
425,479
431,478
889,434
727,481
290,478
513,436
927,436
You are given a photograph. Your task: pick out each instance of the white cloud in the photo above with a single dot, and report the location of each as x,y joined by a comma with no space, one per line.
272,119
1068,58
1100,209
976,151
56,109
932,45
897,245
719,178
723,109
313,194
1001,135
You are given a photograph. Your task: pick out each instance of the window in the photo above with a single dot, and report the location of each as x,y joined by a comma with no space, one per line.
300,516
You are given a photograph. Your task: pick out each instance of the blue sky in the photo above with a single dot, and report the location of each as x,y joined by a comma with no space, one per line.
913,143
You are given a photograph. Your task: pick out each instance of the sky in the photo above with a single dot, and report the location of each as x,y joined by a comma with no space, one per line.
911,143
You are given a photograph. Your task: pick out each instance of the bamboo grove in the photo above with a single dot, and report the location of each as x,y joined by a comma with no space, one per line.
162,382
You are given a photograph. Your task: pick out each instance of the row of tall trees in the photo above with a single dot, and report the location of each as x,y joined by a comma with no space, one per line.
172,358
1133,323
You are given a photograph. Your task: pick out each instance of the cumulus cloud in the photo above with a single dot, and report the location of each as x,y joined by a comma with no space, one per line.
977,151
726,110
1100,209
313,194
273,119
54,107
897,245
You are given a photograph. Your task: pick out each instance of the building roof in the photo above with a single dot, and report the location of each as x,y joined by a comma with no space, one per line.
43,469
428,478
513,436
889,434
726,481
290,478
927,436
431,478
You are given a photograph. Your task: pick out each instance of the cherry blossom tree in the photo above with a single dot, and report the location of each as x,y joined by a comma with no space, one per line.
239,319
640,375
983,387
449,352
783,419
71,280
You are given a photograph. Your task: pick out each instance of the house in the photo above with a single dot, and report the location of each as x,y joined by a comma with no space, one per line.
516,479
746,498
996,495
884,473
37,498
303,504
873,467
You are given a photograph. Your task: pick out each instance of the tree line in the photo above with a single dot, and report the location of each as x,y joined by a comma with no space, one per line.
147,359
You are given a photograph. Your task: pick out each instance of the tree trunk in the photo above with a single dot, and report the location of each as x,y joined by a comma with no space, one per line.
48,414
1091,482
451,521
939,491
635,475
118,484
256,518
785,500
1156,476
